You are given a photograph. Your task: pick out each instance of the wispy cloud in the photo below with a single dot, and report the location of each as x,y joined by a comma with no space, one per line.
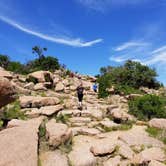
103,5
117,59
65,40
145,53
129,45
158,56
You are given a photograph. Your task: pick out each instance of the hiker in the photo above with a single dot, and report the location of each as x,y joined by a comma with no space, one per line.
80,94
95,87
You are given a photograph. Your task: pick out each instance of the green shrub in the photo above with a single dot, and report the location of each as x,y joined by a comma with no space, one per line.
147,107
126,90
13,111
16,67
32,79
44,63
4,61
157,133
104,83
42,131
127,78
63,118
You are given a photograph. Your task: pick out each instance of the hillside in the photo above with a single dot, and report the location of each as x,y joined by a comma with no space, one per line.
42,125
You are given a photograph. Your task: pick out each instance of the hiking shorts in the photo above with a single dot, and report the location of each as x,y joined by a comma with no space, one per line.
80,97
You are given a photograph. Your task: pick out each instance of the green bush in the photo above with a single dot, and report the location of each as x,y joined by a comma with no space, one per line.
127,78
157,133
16,67
4,61
13,111
104,83
126,90
147,107
43,63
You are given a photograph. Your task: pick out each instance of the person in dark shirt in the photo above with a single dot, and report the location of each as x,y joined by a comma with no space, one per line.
80,94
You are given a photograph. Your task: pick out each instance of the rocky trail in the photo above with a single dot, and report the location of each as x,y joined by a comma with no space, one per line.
56,133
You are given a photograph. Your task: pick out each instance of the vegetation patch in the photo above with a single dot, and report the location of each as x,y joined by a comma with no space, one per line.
63,118
147,107
66,147
157,133
13,111
126,79
43,143
123,126
42,62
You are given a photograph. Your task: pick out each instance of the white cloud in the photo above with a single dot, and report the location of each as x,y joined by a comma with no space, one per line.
158,56
102,5
117,59
66,41
129,45
158,50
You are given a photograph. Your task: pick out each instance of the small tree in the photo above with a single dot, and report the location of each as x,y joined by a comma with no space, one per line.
39,51
4,61
132,75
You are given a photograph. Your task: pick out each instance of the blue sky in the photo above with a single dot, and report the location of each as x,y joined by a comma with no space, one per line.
86,34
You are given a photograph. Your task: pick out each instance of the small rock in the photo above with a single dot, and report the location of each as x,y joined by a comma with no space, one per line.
158,123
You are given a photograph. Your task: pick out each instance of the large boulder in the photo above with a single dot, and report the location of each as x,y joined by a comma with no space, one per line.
115,161
103,147
120,114
50,110
20,89
4,73
39,86
40,77
148,155
137,136
53,158
19,144
80,154
156,163
7,92
85,131
29,85
37,101
47,111
59,87
158,123
57,133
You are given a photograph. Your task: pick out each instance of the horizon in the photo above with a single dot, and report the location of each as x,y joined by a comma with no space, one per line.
86,35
